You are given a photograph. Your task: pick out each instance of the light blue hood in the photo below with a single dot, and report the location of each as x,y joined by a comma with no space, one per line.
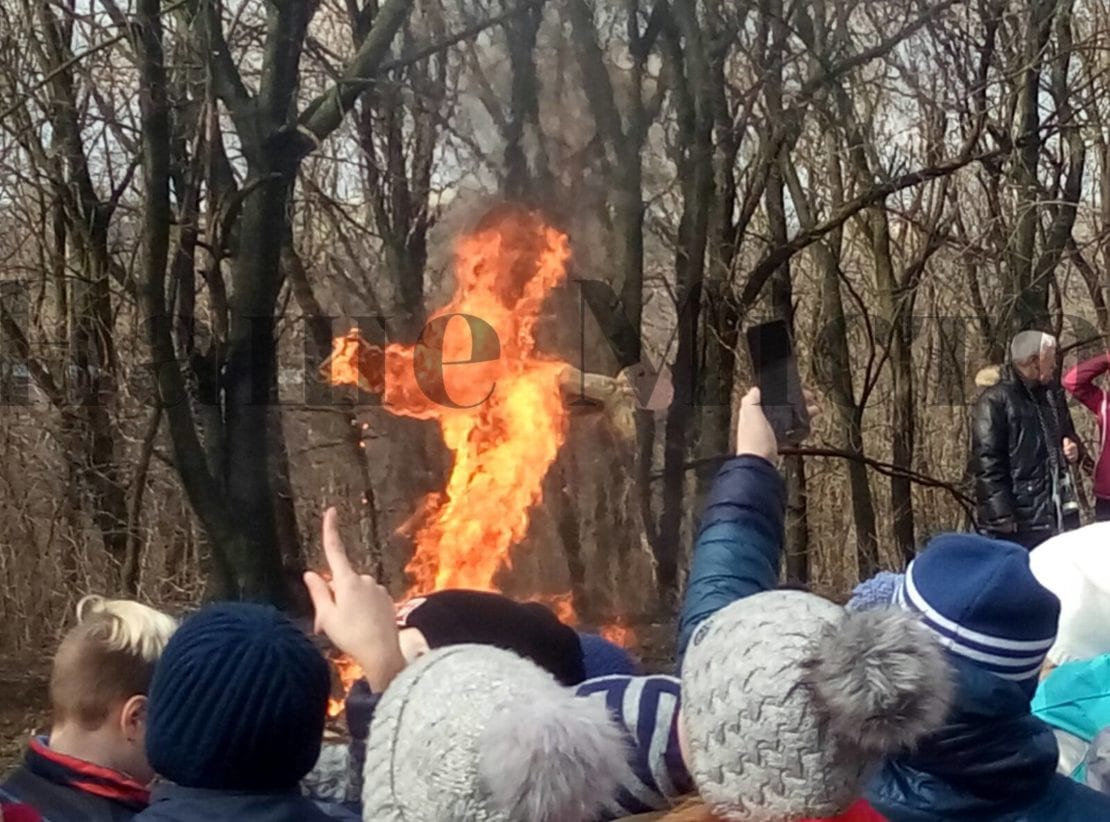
1075,699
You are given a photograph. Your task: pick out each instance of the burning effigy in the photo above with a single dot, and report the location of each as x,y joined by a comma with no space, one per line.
499,403
497,400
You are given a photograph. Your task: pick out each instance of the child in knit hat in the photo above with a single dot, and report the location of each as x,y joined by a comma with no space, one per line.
786,702
455,617
475,733
789,704
992,759
469,732
237,711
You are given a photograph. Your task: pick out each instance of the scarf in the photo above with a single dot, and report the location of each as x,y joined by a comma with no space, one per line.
93,779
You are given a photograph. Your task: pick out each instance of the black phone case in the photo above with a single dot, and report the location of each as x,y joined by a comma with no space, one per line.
776,372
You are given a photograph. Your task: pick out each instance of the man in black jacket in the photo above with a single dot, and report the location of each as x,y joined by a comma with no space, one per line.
1023,440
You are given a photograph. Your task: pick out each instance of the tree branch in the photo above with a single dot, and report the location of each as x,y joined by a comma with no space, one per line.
189,457
324,114
837,71
226,80
595,76
38,372
52,75
777,256
885,468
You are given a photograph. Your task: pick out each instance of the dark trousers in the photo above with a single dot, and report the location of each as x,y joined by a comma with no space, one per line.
1102,510
1031,538
1028,539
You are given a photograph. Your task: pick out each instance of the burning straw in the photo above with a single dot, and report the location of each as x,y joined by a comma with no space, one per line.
498,403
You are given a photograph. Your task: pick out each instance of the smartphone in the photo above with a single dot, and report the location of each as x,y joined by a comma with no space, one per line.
776,374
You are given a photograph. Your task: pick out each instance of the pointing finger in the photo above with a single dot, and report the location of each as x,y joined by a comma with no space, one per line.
334,550
320,593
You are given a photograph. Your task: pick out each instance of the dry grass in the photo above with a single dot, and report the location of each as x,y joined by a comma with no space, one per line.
23,704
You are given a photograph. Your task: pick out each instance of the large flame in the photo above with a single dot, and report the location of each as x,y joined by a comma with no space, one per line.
348,672
496,400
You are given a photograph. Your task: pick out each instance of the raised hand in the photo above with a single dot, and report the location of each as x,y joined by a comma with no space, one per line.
355,612
754,434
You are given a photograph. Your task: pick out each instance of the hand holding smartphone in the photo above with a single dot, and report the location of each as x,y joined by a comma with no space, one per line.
776,374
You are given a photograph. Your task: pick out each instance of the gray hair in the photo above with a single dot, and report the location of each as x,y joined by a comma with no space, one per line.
1028,345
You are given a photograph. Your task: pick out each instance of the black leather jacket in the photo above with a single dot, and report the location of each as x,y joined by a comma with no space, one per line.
1010,457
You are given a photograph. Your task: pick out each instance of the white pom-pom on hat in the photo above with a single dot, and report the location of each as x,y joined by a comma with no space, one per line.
552,757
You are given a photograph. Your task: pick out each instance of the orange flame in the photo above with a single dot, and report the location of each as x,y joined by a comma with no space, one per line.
563,606
349,672
497,401
619,634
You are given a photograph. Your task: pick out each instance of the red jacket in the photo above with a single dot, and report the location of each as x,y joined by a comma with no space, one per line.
1080,383
19,813
860,812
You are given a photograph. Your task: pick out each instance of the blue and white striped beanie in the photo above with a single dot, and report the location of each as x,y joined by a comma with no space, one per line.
980,599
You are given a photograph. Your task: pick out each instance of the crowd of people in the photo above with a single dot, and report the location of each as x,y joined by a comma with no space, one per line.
973,685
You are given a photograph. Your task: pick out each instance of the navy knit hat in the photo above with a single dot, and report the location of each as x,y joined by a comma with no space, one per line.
982,602
237,702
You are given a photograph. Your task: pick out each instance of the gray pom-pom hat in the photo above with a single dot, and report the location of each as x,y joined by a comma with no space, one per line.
789,702
473,733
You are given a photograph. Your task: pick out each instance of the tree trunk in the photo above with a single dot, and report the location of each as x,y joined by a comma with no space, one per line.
689,68
345,426
1030,293
204,493
833,364
782,300
797,526
249,374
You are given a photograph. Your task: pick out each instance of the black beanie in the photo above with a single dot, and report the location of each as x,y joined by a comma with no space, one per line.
529,629
237,702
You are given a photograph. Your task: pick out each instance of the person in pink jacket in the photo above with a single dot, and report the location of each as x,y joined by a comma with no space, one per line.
1080,383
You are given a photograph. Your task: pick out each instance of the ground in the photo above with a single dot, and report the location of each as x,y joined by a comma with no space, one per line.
23,704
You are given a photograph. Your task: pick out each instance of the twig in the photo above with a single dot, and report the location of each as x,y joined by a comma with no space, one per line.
462,35
324,114
74,60
129,575
1064,349
886,468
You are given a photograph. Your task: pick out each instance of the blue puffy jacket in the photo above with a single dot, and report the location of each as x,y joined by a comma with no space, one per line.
739,541
992,762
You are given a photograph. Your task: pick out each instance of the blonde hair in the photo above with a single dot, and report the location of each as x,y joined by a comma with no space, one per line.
127,625
107,658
